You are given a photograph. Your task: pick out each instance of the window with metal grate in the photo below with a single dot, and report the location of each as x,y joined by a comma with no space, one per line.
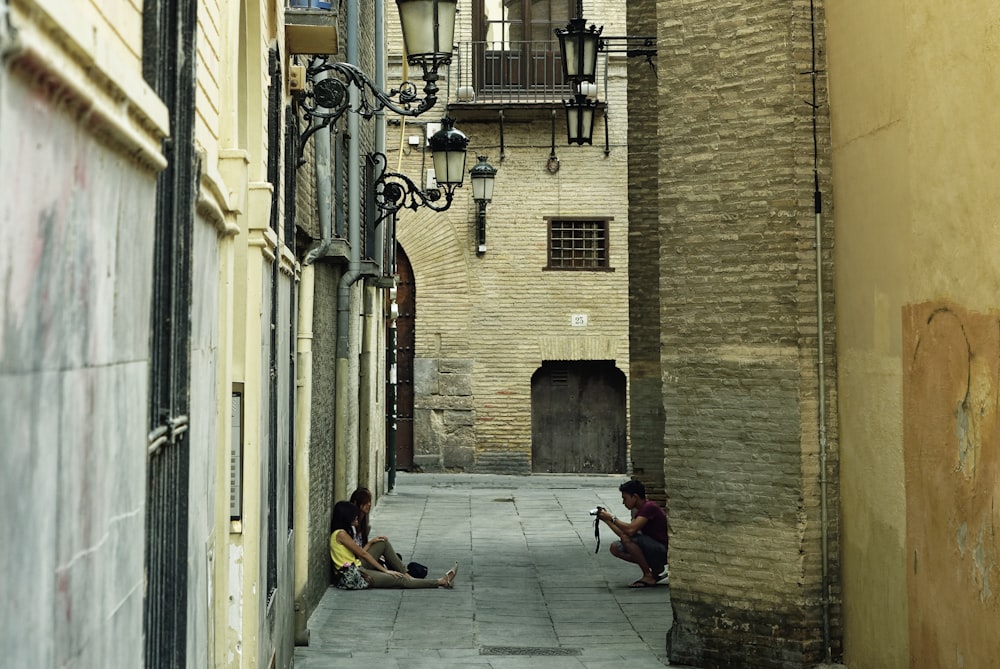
578,244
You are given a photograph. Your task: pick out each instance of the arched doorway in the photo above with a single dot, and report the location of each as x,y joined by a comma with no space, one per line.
406,301
578,421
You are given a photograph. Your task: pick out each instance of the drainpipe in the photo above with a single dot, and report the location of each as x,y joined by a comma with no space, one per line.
380,73
607,97
388,251
345,407
324,193
303,413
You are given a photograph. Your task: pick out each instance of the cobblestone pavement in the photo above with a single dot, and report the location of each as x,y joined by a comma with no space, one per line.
530,592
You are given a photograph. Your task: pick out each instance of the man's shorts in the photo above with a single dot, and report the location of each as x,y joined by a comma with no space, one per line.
655,552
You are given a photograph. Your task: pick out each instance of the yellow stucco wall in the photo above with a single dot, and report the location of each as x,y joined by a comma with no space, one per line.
913,87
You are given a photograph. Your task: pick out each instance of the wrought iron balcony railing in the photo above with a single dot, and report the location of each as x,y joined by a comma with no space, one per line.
512,73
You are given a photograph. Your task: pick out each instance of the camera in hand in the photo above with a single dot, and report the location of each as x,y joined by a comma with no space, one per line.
593,512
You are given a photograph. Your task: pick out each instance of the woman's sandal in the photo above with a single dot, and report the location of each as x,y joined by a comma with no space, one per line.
449,577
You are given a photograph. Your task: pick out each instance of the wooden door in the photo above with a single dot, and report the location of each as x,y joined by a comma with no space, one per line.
405,338
578,418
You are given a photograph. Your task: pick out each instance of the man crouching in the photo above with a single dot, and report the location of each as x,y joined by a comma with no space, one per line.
643,540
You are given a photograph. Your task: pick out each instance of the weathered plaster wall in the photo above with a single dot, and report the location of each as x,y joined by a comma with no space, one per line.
951,381
203,521
76,278
913,90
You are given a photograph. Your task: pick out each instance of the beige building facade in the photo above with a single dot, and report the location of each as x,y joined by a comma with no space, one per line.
519,352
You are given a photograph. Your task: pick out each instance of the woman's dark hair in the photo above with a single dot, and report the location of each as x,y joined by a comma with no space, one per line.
359,498
343,517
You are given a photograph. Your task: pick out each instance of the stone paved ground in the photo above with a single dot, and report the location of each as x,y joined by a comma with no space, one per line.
530,593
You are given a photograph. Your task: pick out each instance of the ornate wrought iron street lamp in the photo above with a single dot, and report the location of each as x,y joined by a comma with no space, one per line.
429,38
578,46
580,119
428,34
393,190
482,176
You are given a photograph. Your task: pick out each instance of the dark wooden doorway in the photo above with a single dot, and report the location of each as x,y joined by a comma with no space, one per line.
406,302
578,419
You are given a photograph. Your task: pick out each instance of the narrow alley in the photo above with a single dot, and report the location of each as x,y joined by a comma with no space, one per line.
530,592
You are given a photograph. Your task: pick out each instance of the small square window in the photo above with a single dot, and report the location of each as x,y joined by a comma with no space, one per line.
576,244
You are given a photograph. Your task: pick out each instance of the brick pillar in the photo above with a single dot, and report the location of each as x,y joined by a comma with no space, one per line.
737,331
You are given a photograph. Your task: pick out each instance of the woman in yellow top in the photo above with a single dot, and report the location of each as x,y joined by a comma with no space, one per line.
345,550
362,498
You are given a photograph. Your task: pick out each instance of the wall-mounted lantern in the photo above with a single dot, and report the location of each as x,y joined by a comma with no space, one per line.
579,45
393,190
482,176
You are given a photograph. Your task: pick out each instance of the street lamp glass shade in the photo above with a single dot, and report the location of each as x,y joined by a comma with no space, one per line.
449,146
580,119
428,31
578,45
482,176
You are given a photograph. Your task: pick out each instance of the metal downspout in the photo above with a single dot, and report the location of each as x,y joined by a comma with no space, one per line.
380,73
303,436
324,194
345,412
607,97
387,253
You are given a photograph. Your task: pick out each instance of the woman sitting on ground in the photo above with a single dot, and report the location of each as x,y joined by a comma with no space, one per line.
362,498
344,550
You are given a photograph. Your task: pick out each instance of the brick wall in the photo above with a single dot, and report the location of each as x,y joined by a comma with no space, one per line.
738,331
499,310
645,386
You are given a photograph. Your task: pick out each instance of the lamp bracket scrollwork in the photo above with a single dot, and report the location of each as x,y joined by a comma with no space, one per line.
328,96
395,191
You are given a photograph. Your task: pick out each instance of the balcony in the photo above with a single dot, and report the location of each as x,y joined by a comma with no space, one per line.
524,79
311,27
